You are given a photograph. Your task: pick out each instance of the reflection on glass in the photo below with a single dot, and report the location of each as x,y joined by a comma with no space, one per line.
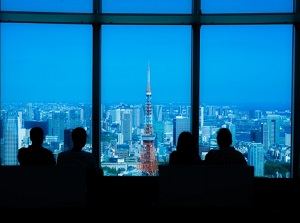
46,81
145,96
245,85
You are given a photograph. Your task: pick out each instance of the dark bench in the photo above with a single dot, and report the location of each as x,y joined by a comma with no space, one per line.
206,186
42,186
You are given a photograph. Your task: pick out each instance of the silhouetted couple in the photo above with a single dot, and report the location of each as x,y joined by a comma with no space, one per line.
36,155
187,153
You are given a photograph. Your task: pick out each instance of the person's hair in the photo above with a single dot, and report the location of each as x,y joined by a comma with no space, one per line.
79,136
37,135
185,142
224,137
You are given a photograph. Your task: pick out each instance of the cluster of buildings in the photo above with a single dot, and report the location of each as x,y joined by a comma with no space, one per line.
262,136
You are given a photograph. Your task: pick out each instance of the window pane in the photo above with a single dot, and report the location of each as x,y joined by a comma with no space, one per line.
145,95
47,5
246,85
46,79
147,6
246,6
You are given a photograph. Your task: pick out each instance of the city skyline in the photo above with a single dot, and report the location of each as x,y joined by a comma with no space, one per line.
248,129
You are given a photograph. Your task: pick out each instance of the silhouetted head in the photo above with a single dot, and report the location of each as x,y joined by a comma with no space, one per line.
79,137
224,137
185,141
36,135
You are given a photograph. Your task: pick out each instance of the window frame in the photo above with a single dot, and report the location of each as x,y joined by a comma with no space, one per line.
196,19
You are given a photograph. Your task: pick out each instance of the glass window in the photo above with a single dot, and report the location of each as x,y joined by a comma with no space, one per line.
246,86
47,5
146,6
246,6
46,79
146,93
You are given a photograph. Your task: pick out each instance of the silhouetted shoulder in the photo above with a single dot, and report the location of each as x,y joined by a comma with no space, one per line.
35,156
228,156
210,157
82,158
22,155
172,157
184,158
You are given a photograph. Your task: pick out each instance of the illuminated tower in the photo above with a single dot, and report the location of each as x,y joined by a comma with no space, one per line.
148,163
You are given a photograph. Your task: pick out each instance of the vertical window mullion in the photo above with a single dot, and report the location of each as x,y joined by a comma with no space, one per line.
195,91
96,97
295,156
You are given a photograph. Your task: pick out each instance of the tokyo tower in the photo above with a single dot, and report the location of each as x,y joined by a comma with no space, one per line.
148,163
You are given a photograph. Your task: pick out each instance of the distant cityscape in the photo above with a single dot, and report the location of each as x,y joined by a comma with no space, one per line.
264,137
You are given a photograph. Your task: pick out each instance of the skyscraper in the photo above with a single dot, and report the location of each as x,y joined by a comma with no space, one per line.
274,128
157,112
180,124
256,158
126,126
136,116
10,150
68,143
271,131
57,124
232,129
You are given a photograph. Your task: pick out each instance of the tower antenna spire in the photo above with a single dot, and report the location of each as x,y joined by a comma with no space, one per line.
148,79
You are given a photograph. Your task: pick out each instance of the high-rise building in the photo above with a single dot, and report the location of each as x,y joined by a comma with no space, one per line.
10,148
30,124
256,135
126,126
274,128
73,118
180,124
87,115
29,112
158,127
271,131
57,124
157,113
68,143
256,158
115,116
137,114
232,129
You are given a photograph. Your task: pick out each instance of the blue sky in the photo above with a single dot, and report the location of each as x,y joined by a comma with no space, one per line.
239,64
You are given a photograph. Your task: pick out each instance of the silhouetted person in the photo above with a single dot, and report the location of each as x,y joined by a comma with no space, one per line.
77,157
186,152
35,154
225,154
